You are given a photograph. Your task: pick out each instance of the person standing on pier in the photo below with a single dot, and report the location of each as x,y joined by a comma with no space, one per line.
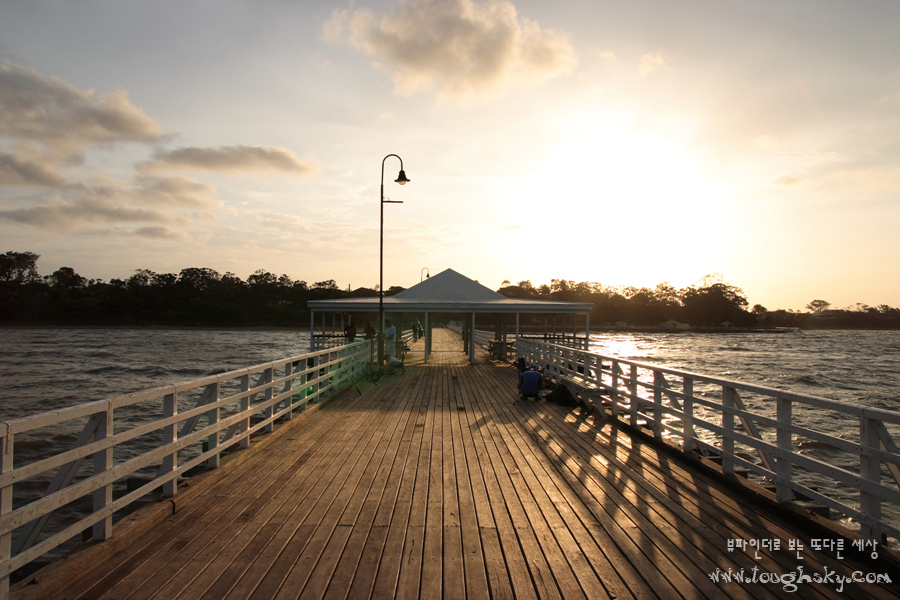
390,335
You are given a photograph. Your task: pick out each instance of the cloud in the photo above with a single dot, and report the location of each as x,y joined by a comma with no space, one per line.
45,123
64,119
607,55
178,192
16,171
160,232
652,62
230,160
788,181
146,200
768,142
466,50
885,179
70,216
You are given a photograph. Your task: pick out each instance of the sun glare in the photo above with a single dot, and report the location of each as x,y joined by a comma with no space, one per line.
633,191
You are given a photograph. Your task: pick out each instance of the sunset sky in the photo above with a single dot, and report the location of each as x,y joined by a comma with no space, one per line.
622,142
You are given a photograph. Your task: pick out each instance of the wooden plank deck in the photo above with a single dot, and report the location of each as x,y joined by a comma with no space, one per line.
437,484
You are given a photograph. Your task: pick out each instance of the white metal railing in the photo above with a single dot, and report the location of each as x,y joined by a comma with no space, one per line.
752,427
321,341
158,434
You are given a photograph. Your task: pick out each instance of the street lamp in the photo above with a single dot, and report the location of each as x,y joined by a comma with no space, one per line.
401,179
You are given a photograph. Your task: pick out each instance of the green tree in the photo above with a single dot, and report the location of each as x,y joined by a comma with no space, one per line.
818,306
716,304
19,267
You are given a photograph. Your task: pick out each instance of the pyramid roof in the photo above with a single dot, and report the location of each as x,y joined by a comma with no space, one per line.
450,292
449,285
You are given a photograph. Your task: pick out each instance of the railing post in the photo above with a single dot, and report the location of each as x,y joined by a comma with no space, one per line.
783,437
614,388
658,381
869,470
289,389
6,504
304,377
245,409
634,404
316,373
170,433
103,461
687,418
268,378
728,427
212,418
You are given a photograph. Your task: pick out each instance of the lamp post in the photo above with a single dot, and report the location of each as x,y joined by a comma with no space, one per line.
401,179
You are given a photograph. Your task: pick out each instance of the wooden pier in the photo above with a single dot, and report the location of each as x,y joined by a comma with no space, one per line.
437,483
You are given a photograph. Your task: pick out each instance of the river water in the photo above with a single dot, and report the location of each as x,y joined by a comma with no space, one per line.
857,367
47,369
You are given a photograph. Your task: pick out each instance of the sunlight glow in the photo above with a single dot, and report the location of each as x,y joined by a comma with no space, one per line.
637,191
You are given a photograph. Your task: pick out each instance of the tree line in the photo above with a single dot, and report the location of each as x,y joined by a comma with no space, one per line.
711,302
202,296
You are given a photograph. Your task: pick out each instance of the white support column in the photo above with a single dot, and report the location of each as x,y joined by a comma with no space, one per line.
312,330
427,338
587,331
472,341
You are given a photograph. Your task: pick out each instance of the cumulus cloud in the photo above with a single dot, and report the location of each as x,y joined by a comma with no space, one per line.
652,62
466,50
64,119
231,160
46,128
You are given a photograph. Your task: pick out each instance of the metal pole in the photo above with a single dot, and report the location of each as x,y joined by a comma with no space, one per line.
381,257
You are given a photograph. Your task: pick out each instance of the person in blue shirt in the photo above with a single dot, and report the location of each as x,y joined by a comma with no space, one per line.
531,382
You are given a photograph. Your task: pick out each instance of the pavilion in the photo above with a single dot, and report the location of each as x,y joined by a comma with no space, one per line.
450,293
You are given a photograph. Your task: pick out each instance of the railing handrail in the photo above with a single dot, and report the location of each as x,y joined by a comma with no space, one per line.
674,413
818,401
284,385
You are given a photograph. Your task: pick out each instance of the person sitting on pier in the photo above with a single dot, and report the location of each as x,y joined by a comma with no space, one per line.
531,382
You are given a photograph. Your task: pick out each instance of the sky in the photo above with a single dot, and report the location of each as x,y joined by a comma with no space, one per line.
627,143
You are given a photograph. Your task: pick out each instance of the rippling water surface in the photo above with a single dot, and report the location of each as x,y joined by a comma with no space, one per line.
857,367
46,369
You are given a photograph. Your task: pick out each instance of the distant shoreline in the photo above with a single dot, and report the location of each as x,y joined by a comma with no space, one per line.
154,327
305,329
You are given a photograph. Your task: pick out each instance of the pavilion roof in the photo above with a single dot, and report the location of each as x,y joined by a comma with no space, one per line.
450,292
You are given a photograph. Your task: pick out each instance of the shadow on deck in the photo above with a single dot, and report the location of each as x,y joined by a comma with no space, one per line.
437,483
